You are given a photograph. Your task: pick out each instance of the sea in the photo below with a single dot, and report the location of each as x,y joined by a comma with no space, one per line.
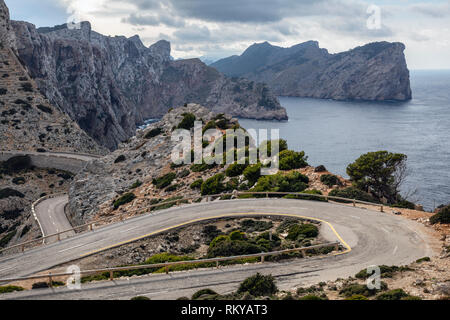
335,133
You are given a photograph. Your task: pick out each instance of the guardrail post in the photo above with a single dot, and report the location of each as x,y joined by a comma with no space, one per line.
50,280
23,248
354,203
90,227
111,275
262,259
267,194
303,253
59,237
217,264
381,209
336,247
167,269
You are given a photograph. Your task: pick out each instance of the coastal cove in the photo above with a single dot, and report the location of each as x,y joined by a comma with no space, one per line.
335,133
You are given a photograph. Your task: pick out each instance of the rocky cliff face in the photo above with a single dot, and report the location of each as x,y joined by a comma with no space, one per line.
111,84
374,72
28,122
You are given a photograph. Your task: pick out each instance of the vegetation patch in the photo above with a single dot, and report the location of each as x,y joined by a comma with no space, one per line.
188,121
259,285
8,192
126,198
443,216
9,289
164,180
352,193
153,133
120,158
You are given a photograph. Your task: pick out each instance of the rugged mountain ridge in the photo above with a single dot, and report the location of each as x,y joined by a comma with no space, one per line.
111,84
374,72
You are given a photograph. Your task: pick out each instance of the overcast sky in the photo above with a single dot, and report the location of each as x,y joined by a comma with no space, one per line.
219,28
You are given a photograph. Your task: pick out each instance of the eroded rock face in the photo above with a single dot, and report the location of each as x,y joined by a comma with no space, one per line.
111,84
6,36
374,72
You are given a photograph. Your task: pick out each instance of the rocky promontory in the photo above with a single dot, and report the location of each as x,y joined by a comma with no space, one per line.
374,72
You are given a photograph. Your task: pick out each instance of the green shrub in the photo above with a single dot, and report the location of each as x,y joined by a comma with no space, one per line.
235,170
386,271
353,193
139,298
184,173
290,160
153,133
164,180
135,185
302,230
126,198
187,122
213,185
210,233
8,192
357,297
201,167
3,91
329,180
229,248
291,182
405,204
197,184
172,188
9,289
312,297
259,285
250,225
237,235
27,87
203,292
396,294
443,216
425,259
120,158
252,173
360,289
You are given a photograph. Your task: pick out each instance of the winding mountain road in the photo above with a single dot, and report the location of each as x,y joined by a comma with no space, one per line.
375,238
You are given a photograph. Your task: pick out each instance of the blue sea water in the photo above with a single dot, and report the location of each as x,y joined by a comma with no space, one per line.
335,133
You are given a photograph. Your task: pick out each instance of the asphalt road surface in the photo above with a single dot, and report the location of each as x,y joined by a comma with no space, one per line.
375,238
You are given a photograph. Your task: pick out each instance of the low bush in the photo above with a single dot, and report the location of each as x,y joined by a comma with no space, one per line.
3,91
164,180
386,271
203,292
172,188
259,285
184,173
312,297
265,147
139,298
135,185
252,173
9,289
396,294
210,233
201,167
291,182
443,216
353,289
120,158
290,160
153,133
27,87
197,184
188,121
425,259
16,164
210,125
302,231
213,185
330,180
235,170
352,193
126,198
250,225
405,204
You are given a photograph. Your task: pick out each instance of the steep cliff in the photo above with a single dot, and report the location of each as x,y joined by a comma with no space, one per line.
111,84
28,122
375,72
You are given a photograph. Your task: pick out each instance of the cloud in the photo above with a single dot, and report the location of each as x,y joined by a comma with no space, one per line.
154,20
434,10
